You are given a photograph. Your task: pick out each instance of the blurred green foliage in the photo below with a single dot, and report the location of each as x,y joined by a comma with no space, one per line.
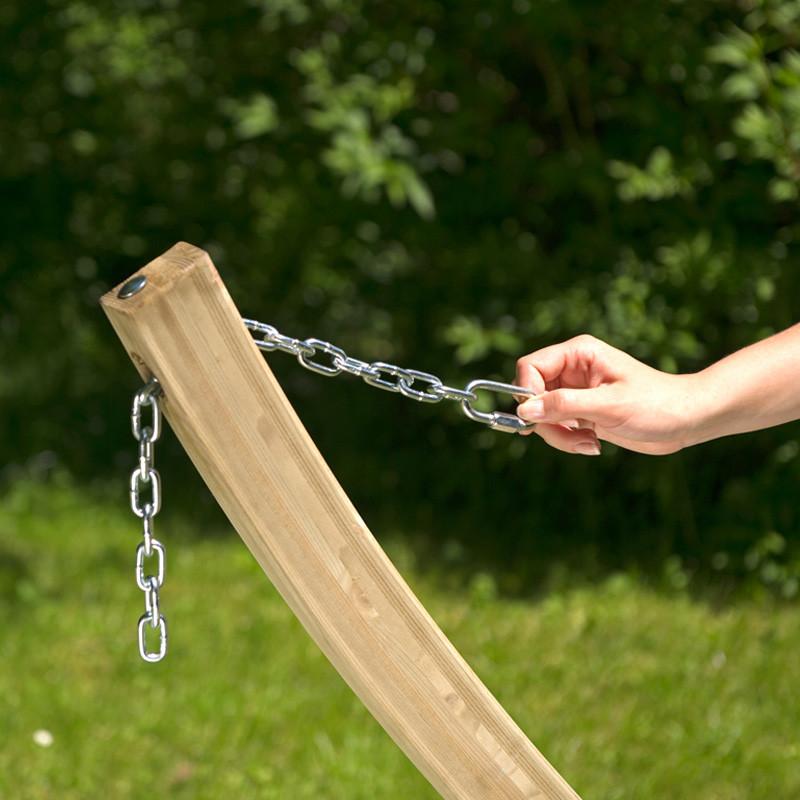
441,185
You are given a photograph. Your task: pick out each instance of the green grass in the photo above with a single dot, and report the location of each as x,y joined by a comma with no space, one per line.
630,692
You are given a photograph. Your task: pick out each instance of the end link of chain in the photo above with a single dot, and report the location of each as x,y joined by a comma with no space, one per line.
496,420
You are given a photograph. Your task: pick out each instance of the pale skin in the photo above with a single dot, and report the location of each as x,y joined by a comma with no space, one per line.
588,392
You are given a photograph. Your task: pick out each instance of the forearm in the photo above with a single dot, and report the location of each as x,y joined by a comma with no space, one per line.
754,388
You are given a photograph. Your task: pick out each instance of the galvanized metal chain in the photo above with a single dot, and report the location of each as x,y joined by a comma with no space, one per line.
145,479
411,383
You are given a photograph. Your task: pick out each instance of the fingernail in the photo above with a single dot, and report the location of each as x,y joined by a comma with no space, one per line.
531,409
588,448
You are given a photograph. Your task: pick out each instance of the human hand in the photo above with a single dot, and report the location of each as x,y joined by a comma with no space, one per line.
588,391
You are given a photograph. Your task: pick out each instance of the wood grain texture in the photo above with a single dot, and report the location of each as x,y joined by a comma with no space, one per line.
236,424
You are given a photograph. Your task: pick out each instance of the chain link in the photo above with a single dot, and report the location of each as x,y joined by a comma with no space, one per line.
145,479
414,384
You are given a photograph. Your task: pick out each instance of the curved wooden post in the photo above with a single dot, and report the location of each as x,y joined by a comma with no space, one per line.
236,424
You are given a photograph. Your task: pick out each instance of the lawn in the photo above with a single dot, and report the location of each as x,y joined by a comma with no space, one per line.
631,692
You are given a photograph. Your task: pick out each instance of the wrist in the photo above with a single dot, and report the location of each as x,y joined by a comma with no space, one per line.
710,407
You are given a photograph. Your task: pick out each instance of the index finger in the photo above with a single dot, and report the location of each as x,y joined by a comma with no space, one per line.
528,376
572,360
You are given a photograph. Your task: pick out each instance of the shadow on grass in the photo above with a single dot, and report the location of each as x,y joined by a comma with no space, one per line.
457,553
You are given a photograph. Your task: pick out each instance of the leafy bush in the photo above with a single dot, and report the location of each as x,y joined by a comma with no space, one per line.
444,187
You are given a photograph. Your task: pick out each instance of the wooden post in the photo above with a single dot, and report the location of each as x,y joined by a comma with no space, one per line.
237,426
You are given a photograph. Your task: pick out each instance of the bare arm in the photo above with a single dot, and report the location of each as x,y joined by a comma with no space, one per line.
589,392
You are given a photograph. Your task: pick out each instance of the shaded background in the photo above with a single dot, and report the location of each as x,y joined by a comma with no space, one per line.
444,187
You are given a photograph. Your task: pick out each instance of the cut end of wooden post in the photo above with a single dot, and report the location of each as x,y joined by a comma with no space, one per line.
161,274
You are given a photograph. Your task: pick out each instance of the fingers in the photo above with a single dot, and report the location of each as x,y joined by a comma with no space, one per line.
572,360
586,442
657,448
582,442
589,406
575,390
529,377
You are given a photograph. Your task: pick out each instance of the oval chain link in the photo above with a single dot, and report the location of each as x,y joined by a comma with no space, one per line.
414,384
145,478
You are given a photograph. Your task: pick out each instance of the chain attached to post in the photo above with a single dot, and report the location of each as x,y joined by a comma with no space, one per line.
145,478
318,356
411,383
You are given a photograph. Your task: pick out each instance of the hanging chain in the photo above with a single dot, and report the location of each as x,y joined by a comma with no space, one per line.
411,383
145,478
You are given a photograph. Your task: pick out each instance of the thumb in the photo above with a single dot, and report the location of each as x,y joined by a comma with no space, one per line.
561,405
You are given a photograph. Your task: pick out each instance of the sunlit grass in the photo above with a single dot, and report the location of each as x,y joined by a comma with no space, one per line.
630,692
